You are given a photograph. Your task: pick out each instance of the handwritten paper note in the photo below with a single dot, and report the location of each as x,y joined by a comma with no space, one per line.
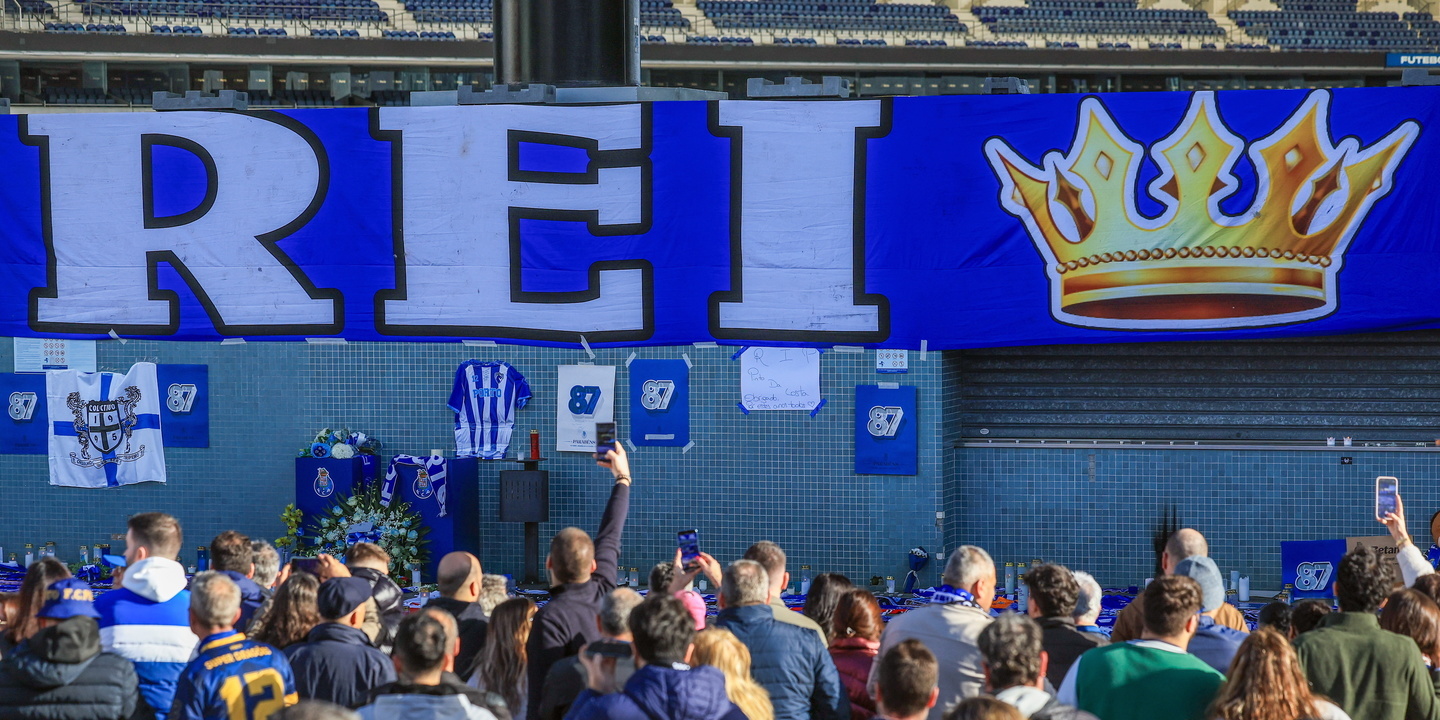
780,378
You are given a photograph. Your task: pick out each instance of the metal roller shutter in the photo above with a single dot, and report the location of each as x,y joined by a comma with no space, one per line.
1376,388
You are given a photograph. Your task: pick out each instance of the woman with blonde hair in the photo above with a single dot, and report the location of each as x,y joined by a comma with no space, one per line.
1266,683
721,650
500,666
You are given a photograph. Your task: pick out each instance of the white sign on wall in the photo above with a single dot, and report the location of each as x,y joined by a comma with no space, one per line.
780,378
587,396
34,355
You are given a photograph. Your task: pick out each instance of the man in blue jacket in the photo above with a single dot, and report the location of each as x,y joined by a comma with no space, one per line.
147,619
231,554
664,685
337,663
790,661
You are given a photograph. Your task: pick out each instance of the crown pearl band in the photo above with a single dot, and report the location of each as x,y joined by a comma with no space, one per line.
1207,252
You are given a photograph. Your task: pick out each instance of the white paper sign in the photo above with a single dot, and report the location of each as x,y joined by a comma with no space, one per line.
780,378
33,355
587,396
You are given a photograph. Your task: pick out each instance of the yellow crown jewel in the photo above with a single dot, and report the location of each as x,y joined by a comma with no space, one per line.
1193,266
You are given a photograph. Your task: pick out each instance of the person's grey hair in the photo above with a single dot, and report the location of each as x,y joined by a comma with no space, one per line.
1011,646
967,565
1186,543
267,563
746,583
615,610
214,598
1087,603
317,710
494,589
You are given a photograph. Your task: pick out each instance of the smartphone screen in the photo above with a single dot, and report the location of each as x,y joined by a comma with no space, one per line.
306,565
604,438
1386,490
610,648
689,541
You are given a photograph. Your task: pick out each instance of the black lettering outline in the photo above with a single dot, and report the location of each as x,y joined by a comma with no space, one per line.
859,296
268,240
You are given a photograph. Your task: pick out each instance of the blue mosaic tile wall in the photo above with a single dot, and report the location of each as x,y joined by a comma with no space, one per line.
1024,503
782,476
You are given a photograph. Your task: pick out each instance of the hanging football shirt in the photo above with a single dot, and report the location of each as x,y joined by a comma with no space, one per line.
485,398
104,427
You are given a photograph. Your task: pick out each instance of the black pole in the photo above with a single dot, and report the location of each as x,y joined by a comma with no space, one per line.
567,43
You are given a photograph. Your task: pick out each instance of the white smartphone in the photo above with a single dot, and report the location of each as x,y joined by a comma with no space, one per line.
1387,491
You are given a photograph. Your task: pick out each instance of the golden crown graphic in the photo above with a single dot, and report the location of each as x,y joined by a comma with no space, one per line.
1194,266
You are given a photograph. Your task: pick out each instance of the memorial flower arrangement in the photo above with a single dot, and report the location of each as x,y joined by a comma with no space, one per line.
340,444
362,518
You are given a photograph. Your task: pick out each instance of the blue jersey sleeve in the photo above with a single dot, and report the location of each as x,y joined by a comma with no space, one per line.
522,388
459,390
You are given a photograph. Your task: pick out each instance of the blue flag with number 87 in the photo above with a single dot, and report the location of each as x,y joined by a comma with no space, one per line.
886,441
660,403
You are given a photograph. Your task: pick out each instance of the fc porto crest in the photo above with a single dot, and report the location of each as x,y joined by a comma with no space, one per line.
324,484
106,428
423,487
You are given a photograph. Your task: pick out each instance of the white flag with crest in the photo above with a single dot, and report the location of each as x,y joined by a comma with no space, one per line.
104,427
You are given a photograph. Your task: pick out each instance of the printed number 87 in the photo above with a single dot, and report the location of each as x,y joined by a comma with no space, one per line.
583,399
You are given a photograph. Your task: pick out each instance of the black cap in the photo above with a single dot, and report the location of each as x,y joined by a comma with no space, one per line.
340,596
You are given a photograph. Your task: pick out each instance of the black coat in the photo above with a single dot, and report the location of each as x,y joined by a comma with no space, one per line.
337,664
1065,645
389,600
473,625
61,674
567,622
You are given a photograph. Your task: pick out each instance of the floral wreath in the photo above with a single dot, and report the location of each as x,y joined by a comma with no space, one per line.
360,517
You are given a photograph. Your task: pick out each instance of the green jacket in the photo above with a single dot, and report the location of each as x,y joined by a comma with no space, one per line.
1134,682
1369,672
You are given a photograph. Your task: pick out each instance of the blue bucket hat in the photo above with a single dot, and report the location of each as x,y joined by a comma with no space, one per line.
68,598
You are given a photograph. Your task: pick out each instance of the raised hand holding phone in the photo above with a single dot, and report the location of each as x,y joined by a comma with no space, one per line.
1387,497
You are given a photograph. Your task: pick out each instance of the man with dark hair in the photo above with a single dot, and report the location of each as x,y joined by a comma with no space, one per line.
906,682
789,661
1184,543
1015,669
1153,677
231,554
229,666
1307,614
664,685
336,663
147,619
371,563
60,671
460,582
426,644
1369,672
772,558
569,677
1276,615
581,573
1053,594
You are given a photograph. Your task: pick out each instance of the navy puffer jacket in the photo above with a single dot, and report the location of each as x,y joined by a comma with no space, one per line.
61,674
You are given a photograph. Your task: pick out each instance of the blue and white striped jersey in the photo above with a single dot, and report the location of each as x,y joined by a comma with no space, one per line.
485,398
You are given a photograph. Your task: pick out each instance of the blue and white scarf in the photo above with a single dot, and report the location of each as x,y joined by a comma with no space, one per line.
946,595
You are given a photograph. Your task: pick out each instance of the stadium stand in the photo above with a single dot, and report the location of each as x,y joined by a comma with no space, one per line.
347,10
32,7
175,30
76,96
334,33
418,35
291,98
795,41
712,40
1336,25
1095,17
860,15
390,98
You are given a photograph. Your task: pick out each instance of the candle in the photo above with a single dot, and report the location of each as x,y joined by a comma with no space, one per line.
534,444
1245,589
415,576
1234,579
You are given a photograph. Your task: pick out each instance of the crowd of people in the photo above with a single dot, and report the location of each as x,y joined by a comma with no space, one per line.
332,639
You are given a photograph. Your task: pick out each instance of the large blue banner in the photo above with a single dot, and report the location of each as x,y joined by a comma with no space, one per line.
962,221
887,438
